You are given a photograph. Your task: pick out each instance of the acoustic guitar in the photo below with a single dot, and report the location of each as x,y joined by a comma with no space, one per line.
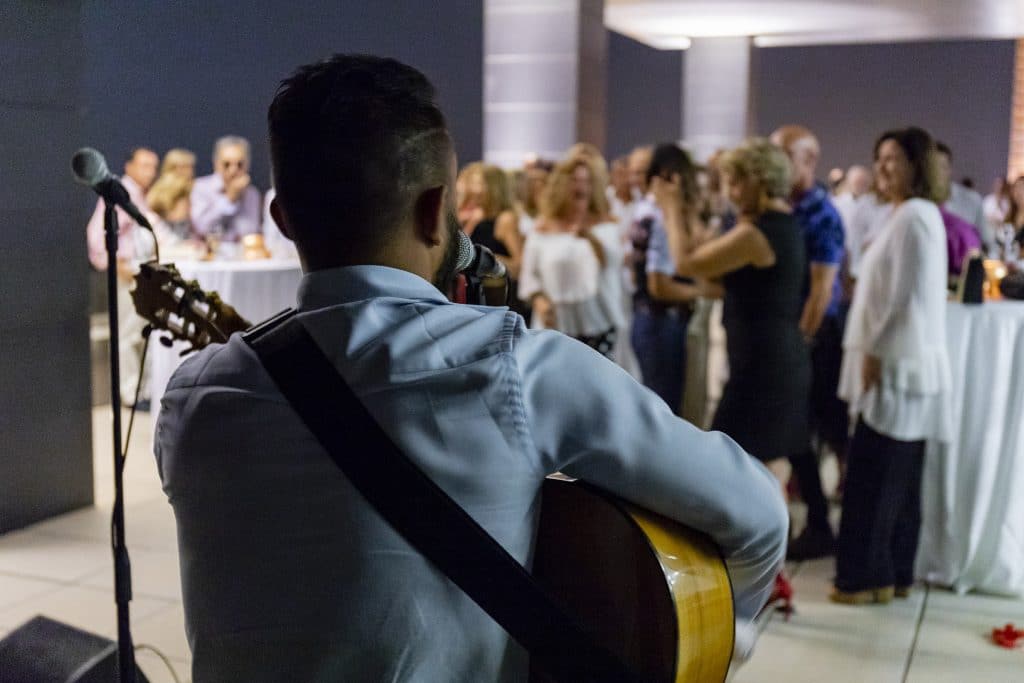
647,588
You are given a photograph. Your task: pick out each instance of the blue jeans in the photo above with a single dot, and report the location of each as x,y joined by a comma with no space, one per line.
659,342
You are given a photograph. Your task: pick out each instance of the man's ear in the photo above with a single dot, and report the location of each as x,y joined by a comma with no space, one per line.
429,215
278,215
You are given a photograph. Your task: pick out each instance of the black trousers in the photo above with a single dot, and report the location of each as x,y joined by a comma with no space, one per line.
881,519
828,419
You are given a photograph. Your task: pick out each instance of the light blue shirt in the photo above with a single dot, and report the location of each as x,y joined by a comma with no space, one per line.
288,574
659,257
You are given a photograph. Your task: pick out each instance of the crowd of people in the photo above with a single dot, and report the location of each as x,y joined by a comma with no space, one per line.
834,303
832,294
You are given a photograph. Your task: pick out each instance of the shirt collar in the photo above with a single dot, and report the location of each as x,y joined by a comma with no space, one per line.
333,286
216,181
811,200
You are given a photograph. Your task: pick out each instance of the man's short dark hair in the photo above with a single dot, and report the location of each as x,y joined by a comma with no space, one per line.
920,148
353,140
943,148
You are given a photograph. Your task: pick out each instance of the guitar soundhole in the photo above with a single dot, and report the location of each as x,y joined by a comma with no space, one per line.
595,560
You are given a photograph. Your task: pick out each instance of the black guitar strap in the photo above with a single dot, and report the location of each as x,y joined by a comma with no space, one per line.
421,511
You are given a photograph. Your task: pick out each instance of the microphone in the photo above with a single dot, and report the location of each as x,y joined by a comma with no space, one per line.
478,261
90,168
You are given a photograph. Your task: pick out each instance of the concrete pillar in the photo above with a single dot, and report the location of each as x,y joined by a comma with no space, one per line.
46,416
545,73
718,107
1015,166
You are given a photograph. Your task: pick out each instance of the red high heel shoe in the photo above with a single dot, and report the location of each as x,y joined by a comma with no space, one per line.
782,596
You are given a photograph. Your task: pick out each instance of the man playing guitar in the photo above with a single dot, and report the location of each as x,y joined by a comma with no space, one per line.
287,572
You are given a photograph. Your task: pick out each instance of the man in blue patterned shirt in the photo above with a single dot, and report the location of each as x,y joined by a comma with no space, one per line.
822,325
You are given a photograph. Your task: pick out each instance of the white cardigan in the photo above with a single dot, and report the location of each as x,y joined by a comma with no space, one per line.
898,314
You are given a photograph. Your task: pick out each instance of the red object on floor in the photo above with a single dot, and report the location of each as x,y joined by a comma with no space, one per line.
793,490
783,595
1008,636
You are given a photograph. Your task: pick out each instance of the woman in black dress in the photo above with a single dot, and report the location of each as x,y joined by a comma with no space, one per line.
762,265
487,217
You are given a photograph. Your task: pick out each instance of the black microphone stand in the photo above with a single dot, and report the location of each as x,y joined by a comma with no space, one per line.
477,291
122,565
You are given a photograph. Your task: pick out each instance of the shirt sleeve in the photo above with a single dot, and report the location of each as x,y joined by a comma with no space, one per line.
209,208
659,259
96,236
247,218
826,239
607,429
908,278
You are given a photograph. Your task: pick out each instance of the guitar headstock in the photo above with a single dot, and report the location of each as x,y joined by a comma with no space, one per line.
182,309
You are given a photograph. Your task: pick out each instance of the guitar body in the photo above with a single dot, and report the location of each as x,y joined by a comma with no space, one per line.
646,587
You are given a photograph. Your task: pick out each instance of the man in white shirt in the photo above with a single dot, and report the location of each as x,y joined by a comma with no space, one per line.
856,184
287,572
133,244
960,200
225,204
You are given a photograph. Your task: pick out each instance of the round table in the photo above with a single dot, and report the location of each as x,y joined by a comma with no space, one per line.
972,531
257,290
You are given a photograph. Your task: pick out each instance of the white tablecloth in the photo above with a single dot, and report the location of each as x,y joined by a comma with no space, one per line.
972,535
257,290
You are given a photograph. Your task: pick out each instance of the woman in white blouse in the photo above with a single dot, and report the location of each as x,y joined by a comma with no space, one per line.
571,259
895,376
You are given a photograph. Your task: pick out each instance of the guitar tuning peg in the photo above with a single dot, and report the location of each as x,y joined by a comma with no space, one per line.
167,342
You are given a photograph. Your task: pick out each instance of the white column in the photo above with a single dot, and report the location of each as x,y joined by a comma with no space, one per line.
545,65
718,110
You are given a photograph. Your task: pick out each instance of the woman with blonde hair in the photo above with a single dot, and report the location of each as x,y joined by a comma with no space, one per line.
486,214
761,262
179,161
571,261
536,172
169,197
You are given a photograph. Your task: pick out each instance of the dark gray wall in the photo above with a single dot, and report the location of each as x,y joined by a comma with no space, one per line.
183,73
959,91
644,95
45,414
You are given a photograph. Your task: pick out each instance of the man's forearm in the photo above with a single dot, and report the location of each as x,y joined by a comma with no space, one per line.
823,277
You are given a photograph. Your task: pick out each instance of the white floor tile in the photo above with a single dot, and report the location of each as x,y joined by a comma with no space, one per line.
164,630
89,609
954,644
141,479
15,589
30,554
148,525
825,641
154,575
87,524
156,669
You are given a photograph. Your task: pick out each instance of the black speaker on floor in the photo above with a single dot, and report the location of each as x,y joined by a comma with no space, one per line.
47,651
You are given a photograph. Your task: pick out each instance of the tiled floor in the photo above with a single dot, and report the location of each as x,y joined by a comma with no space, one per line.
61,568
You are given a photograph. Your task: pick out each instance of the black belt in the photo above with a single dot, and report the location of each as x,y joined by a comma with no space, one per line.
652,307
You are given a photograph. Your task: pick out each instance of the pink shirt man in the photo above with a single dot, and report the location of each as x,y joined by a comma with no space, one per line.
139,173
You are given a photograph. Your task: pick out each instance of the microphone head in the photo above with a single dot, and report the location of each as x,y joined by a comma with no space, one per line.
89,167
466,253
